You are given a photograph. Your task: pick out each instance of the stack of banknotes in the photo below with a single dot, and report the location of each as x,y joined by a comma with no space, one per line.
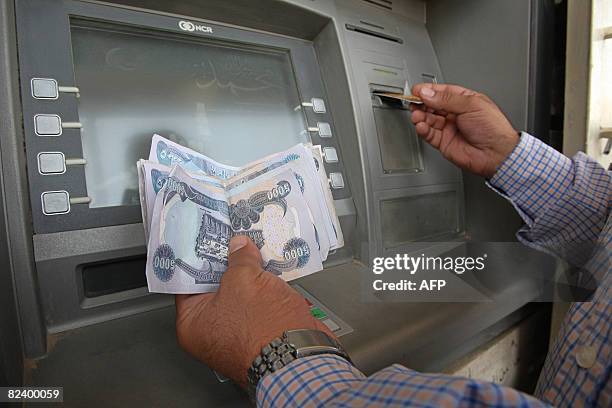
192,206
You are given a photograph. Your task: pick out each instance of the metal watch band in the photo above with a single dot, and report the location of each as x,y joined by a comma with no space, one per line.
274,356
282,351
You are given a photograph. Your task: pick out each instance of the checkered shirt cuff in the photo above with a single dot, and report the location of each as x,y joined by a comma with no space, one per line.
533,177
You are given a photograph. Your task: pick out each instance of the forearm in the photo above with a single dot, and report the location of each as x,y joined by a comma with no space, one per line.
331,381
564,202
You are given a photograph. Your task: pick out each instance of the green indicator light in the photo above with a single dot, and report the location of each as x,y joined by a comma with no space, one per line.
318,313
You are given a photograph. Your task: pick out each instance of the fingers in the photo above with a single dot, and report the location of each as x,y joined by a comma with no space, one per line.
434,120
453,89
444,97
428,133
244,264
418,116
244,253
422,129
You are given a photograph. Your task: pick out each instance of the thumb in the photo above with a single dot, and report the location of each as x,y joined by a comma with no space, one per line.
447,100
243,253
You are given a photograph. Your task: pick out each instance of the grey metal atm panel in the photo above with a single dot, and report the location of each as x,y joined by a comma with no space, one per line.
26,333
89,238
426,336
385,50
511,67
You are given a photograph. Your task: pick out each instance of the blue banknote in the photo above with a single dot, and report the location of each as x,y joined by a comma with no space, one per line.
193,221
169,153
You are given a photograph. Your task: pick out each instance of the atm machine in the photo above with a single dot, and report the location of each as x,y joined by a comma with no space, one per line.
83,86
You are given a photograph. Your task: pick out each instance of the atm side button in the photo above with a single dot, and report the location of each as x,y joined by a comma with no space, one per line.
59,202
336,180
55,202
44,88
324,129
331,325
47,125
317,105
51,163
48,88
52,125
330,155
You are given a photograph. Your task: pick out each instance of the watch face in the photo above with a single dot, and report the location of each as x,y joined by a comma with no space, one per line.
305,338
311,342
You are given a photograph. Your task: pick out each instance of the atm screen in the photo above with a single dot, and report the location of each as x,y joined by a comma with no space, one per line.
230,101
101,86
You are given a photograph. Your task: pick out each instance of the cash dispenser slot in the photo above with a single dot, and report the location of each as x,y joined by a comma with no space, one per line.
118,275
400,148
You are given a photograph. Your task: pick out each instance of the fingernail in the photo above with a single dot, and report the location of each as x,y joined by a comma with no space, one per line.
428,92
237,242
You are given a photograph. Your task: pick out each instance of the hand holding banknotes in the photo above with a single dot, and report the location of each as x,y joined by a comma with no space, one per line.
467,127
227,329
192,205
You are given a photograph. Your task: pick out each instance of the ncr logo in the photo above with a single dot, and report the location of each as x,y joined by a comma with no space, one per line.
191,27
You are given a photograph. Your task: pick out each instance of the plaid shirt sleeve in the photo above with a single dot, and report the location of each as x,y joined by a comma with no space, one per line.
331,381
564,202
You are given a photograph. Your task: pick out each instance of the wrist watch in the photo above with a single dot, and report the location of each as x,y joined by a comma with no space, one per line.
293,344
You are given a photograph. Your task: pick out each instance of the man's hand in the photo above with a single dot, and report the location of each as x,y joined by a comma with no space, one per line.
467,127
226,330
